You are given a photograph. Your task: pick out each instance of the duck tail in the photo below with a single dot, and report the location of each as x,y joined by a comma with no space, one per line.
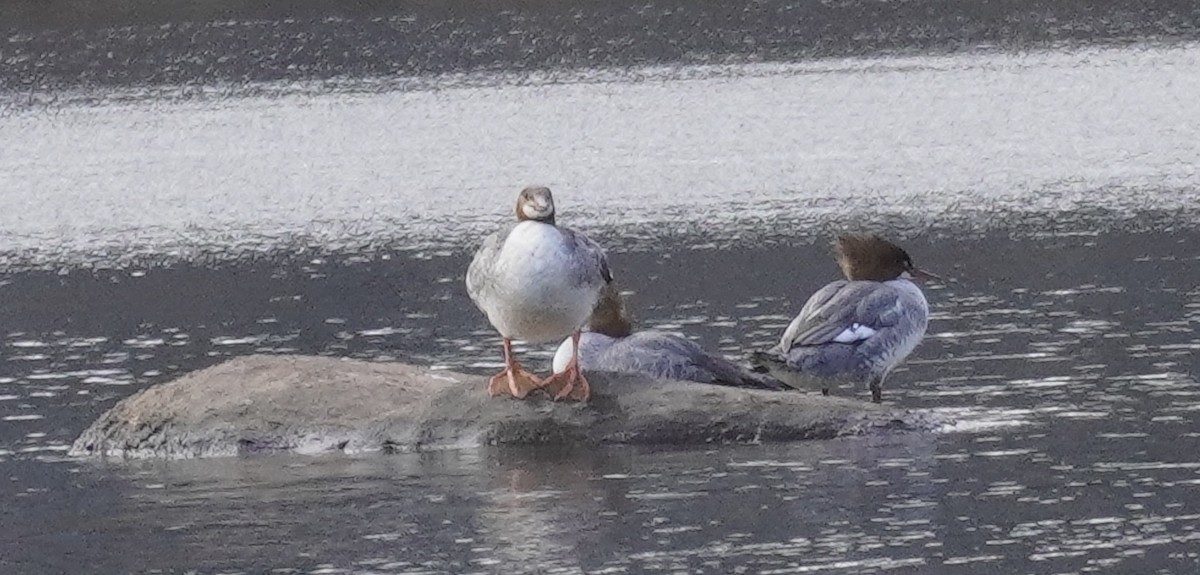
765,361
763,381
773,365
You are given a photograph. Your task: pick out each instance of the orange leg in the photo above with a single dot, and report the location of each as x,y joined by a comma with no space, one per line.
570,384
514,380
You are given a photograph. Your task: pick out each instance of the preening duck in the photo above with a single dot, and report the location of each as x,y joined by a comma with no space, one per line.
610,344
856,329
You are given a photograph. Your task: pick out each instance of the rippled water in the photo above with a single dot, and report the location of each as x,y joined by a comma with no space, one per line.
768,150
149,231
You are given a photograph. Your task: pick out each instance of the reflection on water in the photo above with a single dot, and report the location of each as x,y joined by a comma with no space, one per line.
1042,142
911,505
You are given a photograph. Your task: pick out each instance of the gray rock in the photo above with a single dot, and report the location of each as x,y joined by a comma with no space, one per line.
316,404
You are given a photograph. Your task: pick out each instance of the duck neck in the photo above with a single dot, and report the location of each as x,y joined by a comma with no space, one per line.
522,216
609,316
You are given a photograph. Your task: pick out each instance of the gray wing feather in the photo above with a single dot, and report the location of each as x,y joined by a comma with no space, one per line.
675,357
592,257
838,306
808,316
484,260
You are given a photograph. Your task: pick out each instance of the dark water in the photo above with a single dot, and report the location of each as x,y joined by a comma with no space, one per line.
1068,362
59,43
1042,158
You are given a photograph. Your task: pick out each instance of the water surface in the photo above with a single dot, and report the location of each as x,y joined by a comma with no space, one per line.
160,218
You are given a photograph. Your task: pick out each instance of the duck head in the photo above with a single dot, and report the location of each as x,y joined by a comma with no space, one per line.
872,258
536,203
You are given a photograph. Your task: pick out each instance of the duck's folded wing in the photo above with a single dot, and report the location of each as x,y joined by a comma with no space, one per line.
673,356
591,257
844,312
651,353
482,265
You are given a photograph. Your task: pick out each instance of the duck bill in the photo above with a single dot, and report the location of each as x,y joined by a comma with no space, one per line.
923,275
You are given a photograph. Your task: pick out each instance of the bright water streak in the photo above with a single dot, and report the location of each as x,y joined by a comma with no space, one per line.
931,138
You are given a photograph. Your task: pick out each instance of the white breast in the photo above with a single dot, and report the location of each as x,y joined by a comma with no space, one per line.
540,289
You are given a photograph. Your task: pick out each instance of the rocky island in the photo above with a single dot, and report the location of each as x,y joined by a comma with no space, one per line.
303,404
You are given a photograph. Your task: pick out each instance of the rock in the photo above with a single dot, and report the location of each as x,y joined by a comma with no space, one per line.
305,404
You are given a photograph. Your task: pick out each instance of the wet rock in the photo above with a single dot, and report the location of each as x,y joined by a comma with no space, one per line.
315,404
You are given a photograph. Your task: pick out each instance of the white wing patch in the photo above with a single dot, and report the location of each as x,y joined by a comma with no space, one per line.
856,332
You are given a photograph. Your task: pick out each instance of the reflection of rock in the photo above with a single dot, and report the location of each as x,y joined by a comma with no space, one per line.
541,513
313,404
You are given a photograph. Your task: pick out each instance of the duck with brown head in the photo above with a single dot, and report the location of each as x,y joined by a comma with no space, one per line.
537,282
857,329
610,344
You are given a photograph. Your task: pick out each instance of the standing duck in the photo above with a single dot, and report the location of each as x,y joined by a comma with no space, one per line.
858,328
537,282
611,345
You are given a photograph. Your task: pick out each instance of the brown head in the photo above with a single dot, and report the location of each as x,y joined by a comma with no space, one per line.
609,316
537,204
872,258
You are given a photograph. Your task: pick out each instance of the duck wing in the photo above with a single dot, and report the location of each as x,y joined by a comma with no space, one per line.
843,312
672,356
481,272
590,257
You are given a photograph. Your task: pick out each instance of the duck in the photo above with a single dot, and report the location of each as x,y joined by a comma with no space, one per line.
856,329
537,282
610,344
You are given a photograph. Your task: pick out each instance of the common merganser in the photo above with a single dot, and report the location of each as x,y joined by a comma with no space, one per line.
858,328
611,345
537,282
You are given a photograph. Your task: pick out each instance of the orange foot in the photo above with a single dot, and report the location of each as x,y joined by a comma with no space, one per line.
570,384
514,381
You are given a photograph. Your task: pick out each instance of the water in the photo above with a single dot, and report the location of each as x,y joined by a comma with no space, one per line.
160,219
1096,129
